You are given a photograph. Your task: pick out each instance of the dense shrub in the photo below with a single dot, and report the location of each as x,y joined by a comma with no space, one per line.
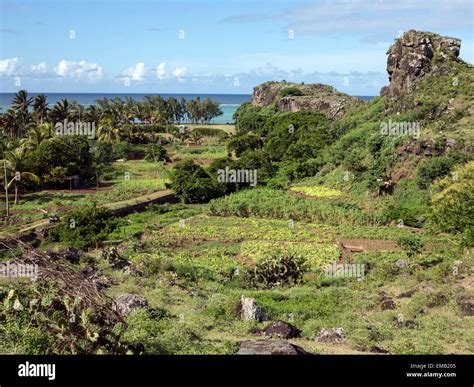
411,244
193,184
306,130
84,227
453,202
244,142
211,132
432,169
155,152
290,91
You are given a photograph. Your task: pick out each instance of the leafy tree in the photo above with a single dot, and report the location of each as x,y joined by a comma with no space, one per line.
192,184
244,142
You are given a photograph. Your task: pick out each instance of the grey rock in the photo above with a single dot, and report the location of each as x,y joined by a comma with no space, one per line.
282,330
248,310
127,303
269,347
331,335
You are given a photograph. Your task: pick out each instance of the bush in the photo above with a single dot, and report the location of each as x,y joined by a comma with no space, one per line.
452,202
411,244
290,91
155,152
84,227
192,184
211,132
432,169
244,142
276,270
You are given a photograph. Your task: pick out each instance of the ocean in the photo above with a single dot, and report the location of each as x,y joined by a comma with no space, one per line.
228,102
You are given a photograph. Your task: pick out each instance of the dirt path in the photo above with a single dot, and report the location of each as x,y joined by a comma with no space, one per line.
121,208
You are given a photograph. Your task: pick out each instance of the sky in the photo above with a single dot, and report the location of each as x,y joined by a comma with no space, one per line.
225,46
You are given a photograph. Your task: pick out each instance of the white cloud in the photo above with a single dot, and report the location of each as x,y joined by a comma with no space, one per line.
9,66
39,69
180,72
80,71
135,73
161,70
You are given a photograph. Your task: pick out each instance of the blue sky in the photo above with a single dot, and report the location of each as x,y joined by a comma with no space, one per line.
228,46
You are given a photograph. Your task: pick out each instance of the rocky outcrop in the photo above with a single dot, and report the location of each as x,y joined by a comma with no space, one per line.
414,55
295,97
127,303
269,347
248,310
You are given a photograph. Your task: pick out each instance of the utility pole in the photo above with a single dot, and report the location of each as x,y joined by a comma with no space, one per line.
6,188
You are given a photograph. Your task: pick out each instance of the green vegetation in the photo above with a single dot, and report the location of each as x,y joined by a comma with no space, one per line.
329,190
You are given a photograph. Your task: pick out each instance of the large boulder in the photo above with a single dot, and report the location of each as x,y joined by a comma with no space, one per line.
411,57
269,347
282,330
309,97
248,310
127,303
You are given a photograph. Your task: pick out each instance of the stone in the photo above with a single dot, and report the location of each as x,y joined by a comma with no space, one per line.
410,58
314,97
269,347
467,308
375,349
248,310
401,263
127,303
282,330
388,304
331,335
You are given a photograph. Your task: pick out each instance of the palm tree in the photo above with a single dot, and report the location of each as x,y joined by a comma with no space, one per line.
40,107
20,104
108,132
38,134
61,111
16,165
10,124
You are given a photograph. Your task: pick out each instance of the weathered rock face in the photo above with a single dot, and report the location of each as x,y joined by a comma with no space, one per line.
127,303
311,97
282,330
412,57
249,310
269,347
